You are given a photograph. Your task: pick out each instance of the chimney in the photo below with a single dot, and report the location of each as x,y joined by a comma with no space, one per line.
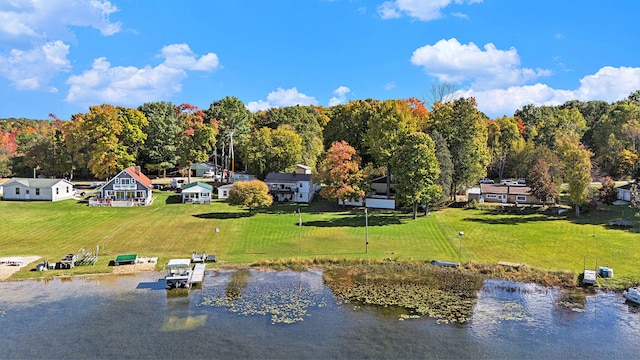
137,170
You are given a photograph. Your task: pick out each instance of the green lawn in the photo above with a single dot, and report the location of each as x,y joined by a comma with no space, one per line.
168,230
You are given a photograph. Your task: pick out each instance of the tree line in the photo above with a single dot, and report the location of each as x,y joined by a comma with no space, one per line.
444,147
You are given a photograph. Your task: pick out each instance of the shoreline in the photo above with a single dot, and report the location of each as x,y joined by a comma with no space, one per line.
521,273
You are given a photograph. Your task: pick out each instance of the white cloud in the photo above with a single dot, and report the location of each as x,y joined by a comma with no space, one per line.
341,96
46,24
607,84
51,19
180,56
33,69
423,10
129,85
390,85
450,61
282,98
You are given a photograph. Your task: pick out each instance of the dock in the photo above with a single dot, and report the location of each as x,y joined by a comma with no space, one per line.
197,275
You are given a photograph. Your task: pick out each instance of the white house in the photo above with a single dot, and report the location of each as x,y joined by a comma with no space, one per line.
197,193
38,189
129,188
292,187
223,191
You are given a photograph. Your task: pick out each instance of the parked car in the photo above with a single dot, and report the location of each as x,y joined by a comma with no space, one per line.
209,174
522,181
176,183
486,181
508,182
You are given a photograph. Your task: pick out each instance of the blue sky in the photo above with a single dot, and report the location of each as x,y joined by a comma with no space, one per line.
61,56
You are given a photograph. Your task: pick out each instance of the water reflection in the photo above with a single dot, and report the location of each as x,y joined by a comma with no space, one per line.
100,317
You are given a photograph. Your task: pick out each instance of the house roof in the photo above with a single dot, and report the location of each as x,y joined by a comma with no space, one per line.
626,186
504,189
36,183
197,183
287,177
135,172
225,187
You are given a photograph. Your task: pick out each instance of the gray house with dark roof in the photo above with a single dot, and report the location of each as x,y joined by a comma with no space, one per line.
27,189
292,187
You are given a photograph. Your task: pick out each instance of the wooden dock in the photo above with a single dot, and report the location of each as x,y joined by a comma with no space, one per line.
197,275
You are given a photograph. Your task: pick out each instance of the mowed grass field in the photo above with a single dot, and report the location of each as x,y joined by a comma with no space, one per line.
169,229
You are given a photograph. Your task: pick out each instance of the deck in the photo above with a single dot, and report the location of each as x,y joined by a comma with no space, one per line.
197,275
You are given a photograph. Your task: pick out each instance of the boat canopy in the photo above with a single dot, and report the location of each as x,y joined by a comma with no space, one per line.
178,263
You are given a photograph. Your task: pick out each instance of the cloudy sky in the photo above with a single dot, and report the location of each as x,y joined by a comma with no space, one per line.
61,56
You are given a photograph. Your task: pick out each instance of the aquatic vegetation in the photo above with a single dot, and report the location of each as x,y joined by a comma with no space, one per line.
287,301
442,293
508,311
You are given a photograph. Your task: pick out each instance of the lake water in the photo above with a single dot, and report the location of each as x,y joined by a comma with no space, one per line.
274,315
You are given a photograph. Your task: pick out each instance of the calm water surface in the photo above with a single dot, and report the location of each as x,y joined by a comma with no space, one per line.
259,315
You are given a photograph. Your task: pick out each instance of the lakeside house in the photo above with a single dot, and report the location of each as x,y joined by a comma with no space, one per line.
129,188
30,189
197,193
295,187
223,191
506,194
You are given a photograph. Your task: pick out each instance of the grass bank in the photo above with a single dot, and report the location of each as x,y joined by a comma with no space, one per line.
168,229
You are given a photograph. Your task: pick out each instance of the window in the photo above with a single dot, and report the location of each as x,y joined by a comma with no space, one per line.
17,191
300,195
299,185
521,198
110,194
125,181
224,193
116,181
491,196
67,189
140,194
37,191
26,192
57,191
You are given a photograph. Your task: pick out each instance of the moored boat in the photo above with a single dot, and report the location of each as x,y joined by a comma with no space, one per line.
178,273
632,295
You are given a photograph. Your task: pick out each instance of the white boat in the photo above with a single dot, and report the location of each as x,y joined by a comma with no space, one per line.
178,273
633,295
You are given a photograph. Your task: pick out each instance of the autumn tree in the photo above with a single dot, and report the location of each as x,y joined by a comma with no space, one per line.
268,150
540,181
106,139
464,128
8,149
416,170
251,194
196,139
340,173
503,136
577,169
388,126
304,121
349,122
608,193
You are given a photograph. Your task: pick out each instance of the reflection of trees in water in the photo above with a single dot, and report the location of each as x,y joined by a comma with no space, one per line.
237,284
